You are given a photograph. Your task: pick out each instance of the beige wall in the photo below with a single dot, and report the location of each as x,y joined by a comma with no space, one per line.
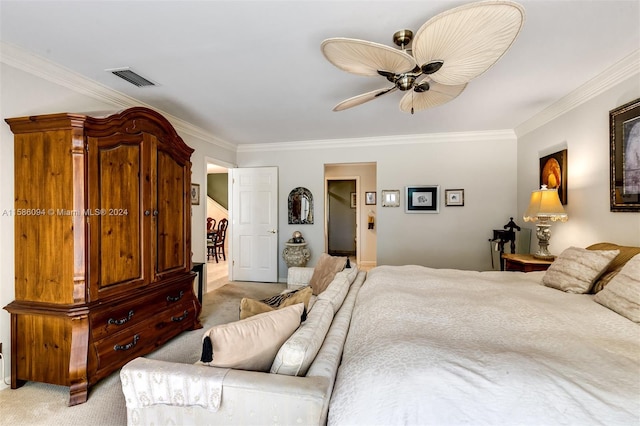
584,132
457,237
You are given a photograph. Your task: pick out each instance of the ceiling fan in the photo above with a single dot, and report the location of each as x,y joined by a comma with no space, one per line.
435,65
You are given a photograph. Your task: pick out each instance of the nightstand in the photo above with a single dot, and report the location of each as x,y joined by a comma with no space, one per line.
524,263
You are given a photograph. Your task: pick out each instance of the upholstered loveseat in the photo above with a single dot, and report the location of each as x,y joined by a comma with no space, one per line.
296,390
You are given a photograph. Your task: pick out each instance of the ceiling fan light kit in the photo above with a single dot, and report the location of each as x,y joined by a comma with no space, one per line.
447,52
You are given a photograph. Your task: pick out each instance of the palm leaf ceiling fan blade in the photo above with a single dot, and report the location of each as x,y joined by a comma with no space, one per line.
437,94
468,39
365,57
360,99
449,50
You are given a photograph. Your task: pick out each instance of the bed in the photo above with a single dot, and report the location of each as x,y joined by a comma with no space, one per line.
451,347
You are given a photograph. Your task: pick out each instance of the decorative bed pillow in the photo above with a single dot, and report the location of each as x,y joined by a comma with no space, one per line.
622,294
576,269
251,307
324,271
626,253
252,343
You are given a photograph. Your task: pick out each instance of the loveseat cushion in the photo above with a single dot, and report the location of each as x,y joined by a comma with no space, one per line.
298,352
252,343
324,272
338,288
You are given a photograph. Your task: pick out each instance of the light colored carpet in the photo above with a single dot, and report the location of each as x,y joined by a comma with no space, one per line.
44,404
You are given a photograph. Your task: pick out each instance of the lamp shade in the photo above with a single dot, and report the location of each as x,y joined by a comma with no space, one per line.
545,204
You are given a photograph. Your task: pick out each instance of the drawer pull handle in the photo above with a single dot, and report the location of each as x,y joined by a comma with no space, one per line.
128,345
178,319
121,321
175,299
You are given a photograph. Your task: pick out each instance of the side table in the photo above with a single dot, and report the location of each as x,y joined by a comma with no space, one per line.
198,268
524,263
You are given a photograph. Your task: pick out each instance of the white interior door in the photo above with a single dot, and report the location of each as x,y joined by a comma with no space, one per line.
253,210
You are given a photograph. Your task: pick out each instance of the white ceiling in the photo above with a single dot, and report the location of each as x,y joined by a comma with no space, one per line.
252,72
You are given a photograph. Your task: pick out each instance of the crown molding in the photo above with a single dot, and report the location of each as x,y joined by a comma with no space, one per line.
615,74
23,60
491,135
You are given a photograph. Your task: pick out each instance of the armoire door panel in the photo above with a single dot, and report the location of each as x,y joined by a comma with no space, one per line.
44,223
117,208
171,210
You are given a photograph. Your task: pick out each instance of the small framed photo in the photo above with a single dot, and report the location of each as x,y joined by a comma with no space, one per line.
370,198
390,198
195,193
354,200
422,199
454,197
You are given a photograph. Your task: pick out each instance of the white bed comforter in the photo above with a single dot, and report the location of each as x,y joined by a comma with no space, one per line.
448,347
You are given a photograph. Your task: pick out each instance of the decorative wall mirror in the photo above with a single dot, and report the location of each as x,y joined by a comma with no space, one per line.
300,206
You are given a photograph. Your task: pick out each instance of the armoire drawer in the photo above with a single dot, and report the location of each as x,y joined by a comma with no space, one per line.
141,338
114,318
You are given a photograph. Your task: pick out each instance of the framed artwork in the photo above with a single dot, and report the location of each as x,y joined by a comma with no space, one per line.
195,193
354,200
370,198
390,198
454,197
624,141
422,199
553,173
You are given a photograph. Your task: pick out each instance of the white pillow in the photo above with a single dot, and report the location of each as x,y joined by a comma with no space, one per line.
251,343
298,352
576,269
622,294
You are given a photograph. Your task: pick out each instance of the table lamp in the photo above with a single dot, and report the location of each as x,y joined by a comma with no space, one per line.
545,206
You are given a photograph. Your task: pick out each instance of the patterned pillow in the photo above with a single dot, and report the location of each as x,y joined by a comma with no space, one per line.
622,294
626,253
252,343
576,269
250,307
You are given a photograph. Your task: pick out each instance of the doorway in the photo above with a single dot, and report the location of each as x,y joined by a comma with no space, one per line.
342,217
217,207
361,202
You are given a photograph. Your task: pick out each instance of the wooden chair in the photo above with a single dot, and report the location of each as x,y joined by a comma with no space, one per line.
211,225
211,236
221,234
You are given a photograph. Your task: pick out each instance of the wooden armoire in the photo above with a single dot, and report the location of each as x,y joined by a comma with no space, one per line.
102,245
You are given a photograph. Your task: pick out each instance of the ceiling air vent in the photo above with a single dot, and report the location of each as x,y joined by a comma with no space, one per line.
131,76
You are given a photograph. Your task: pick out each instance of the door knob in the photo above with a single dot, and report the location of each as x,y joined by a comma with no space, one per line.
273,231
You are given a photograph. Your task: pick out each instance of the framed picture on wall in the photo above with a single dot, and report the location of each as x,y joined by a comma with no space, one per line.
195,194
624,145
370,198
390,198
422,199
553,173
454,197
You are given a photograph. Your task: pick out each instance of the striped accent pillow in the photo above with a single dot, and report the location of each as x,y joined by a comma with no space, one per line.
576,269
